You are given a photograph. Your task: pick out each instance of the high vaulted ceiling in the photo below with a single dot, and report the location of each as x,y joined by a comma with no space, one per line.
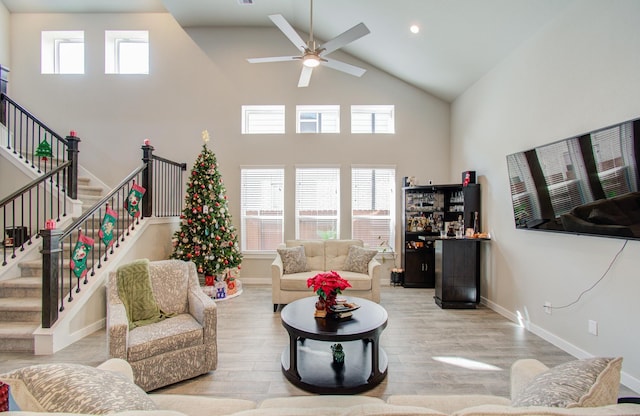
459,40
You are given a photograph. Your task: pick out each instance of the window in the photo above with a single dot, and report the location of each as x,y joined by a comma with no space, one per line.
610,146
526,206
62,52
564,174
372,119
262,208
262,119
372,205
318,119
126,52
317,203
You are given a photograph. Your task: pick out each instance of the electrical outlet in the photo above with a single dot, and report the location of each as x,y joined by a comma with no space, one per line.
547,307
593,327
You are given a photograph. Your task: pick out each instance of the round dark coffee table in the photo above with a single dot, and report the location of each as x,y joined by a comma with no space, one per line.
308,362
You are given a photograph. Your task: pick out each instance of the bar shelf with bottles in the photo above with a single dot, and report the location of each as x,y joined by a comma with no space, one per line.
433,214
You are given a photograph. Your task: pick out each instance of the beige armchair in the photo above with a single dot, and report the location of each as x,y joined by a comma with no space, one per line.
175,349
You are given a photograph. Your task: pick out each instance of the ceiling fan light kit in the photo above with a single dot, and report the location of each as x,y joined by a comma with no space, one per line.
312,55
311,61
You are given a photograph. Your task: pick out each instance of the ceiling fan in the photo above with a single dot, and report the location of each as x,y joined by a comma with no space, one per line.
313,54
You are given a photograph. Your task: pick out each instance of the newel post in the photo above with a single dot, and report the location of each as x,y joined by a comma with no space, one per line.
147,179
50,259
4,80
72,156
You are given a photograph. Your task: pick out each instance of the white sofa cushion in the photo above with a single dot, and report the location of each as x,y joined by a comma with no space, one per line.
313,251
447,403
336,252
381,409
497,410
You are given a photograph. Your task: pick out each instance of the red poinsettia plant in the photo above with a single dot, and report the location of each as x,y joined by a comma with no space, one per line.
328,284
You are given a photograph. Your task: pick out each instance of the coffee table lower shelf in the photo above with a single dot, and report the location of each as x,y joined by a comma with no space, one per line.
318,373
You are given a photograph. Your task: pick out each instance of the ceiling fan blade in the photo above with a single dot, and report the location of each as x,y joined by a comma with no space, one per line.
305,76
344,67
288,31
344,38
272,59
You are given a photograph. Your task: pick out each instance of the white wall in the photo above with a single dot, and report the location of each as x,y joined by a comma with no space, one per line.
200,83
4,36
580,73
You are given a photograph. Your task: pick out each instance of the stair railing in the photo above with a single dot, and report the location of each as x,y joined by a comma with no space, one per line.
30,207
162,181
24,136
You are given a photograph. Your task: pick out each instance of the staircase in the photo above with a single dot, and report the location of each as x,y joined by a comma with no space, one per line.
21,296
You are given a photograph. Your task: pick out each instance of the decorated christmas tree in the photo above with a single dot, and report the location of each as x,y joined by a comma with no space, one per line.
206,235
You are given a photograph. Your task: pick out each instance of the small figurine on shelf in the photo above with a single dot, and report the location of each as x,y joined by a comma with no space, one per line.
338,353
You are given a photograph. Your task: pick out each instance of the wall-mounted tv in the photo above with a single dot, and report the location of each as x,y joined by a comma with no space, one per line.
586,184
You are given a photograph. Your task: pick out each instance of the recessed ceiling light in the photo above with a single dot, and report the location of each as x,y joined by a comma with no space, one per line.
414,29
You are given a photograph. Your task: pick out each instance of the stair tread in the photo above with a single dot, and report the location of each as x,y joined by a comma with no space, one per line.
30,281
20,304
18,329
89,187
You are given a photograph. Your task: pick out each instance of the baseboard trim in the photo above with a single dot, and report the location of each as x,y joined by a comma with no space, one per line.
629,381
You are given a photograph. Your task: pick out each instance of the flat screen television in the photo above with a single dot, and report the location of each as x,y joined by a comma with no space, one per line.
586,184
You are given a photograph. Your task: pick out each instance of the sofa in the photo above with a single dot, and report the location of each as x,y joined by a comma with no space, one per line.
68,389
618,216
298,260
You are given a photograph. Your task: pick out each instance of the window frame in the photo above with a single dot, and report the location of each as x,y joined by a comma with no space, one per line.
52,57
114,40
262,172
380,242
251,111
325,116
321,199
374,112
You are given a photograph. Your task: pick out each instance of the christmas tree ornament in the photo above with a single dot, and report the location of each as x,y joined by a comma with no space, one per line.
78,262
43,150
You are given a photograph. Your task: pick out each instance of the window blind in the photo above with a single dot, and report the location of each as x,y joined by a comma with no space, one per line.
526,206
318,118
615,173
317,203
565,175
372,205
262,208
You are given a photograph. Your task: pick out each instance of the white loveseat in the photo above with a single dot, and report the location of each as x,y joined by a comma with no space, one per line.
91,393
323,256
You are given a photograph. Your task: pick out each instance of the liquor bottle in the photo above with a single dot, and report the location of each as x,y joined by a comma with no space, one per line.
476,228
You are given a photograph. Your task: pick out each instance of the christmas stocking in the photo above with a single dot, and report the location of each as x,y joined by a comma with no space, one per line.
134,201
78,263
108,224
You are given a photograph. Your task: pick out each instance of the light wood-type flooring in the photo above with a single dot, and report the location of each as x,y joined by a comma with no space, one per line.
420,340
